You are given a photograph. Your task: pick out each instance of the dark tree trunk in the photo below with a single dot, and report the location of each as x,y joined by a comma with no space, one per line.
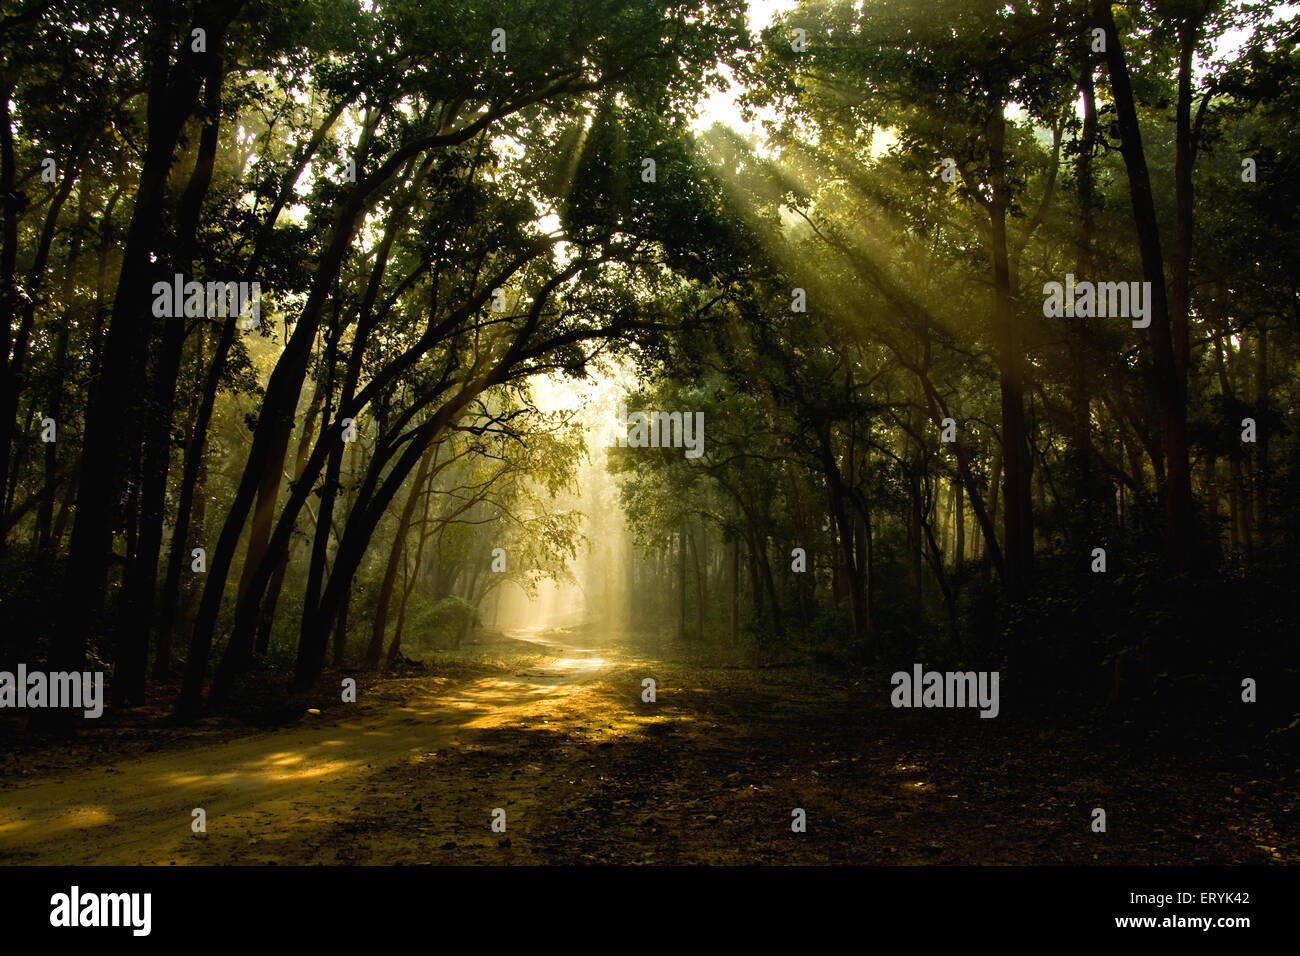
1085,485
699,584
735,589
1262,509
13,367
112,420
765,570
142,578
755,587
1017,516
45,516
9,201
681,581
270,441
838,493
364,518
332,434
266,613
396,555
1170,385
959,520
341,631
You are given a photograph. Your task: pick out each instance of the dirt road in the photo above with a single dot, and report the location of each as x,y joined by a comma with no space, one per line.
558,735
252,790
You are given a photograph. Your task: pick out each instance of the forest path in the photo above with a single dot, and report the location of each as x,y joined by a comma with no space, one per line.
560,734
304,778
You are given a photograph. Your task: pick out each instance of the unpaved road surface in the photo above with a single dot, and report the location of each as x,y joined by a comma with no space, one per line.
560,736
140,811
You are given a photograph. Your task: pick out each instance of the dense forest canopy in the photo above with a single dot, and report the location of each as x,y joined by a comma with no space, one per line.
987,313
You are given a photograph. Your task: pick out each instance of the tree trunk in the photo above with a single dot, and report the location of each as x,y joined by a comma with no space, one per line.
397,553
751,555
735,589
681,581
959,520
1017,519
112,420
699,585
1170,384
45,516
267,453
1089,492
1262,509
341,631
914,550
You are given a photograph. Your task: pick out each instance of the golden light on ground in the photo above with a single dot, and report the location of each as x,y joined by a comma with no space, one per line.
81,818
577,663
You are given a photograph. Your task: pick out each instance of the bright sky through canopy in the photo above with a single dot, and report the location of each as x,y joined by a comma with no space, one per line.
720,107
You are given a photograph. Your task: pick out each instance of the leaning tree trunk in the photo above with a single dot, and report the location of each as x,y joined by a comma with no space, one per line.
1170,385
395,555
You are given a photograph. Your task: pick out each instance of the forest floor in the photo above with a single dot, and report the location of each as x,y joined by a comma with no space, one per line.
553,730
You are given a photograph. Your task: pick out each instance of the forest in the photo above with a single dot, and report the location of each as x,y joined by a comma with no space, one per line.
762,351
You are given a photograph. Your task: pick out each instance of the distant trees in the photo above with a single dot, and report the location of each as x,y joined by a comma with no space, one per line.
926,171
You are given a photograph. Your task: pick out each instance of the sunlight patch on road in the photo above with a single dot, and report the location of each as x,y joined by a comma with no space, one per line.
80,818
577,663
261,771
282,759
247,778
